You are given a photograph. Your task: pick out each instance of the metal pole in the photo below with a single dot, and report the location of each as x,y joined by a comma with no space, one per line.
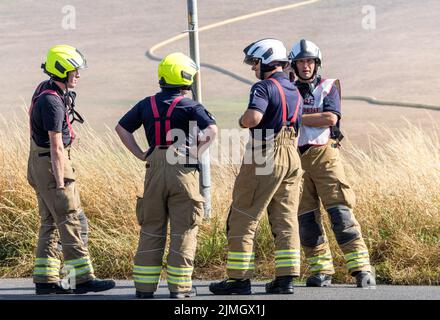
204,162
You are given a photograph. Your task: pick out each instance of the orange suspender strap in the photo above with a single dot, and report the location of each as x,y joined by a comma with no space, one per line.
284,105
167,119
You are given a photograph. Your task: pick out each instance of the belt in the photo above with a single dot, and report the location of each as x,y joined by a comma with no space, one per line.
195,166
44,154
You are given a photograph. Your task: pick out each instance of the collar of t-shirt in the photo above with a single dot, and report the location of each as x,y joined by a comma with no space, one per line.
279,75
173,92
53,86
307,88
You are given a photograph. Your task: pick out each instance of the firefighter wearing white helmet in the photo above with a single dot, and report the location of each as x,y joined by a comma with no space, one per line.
324,178
273,116
51,174
171,188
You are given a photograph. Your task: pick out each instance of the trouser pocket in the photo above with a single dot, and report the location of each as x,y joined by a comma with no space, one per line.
139,210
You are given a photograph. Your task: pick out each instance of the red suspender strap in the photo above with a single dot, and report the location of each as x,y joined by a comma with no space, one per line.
283,99
168,118
156,119
54,93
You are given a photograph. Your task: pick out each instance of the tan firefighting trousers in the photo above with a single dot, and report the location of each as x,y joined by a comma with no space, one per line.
59,210
278,192
324,180
171,192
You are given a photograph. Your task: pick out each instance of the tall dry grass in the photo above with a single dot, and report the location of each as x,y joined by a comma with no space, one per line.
397,183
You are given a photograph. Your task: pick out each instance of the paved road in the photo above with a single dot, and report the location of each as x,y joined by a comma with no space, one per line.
23,289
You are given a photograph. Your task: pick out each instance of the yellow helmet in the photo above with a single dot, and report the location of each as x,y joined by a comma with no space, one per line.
176,70
62,59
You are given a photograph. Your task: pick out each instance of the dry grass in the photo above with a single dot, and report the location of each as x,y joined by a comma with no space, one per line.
397,186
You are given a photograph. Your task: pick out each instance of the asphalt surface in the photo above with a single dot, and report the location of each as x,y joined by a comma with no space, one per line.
23,289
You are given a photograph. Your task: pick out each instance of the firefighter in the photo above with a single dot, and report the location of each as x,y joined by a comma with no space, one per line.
51,174
273,117
171,187
324,178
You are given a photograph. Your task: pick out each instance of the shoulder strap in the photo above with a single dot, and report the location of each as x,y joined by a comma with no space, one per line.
157,120
284,105
168,118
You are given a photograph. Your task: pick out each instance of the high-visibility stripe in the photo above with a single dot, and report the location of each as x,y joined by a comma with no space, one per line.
147,269
179,269
358,263
179,280
78,262
241,255
239,265
83,270
180,273
319,259
355,255
321,266
43,262
146,279
286,263
296,252
46,271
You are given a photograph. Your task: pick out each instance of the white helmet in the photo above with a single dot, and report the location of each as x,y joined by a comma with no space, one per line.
268,50
305,49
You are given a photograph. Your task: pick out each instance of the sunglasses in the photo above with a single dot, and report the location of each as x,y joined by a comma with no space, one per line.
252,61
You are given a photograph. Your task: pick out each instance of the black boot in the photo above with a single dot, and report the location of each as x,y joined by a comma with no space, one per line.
319,280
183,295
94,285
144,295
231,286
50,288
364,279
281,285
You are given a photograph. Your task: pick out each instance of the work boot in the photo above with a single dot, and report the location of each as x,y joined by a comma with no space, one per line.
183,295
281,285
144,295
94,285
364,279
50,288
319,280
231,286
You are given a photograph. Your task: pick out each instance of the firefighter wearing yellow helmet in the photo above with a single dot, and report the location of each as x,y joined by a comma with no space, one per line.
171,187
51,174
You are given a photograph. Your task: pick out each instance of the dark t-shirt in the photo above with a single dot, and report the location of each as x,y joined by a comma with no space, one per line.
266,99
186,110
49,114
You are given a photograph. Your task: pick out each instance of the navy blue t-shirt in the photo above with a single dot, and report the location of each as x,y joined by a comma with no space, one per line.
49,114
266,99
185,111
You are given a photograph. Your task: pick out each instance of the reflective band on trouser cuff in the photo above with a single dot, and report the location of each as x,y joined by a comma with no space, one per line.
47,267
146,274
81,265
179,275
240,260
357,259
319,263
287,258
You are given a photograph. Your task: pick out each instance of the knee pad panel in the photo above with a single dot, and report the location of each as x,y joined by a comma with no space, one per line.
343,224
309,230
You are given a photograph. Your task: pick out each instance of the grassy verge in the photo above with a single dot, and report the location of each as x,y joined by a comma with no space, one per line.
398,206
